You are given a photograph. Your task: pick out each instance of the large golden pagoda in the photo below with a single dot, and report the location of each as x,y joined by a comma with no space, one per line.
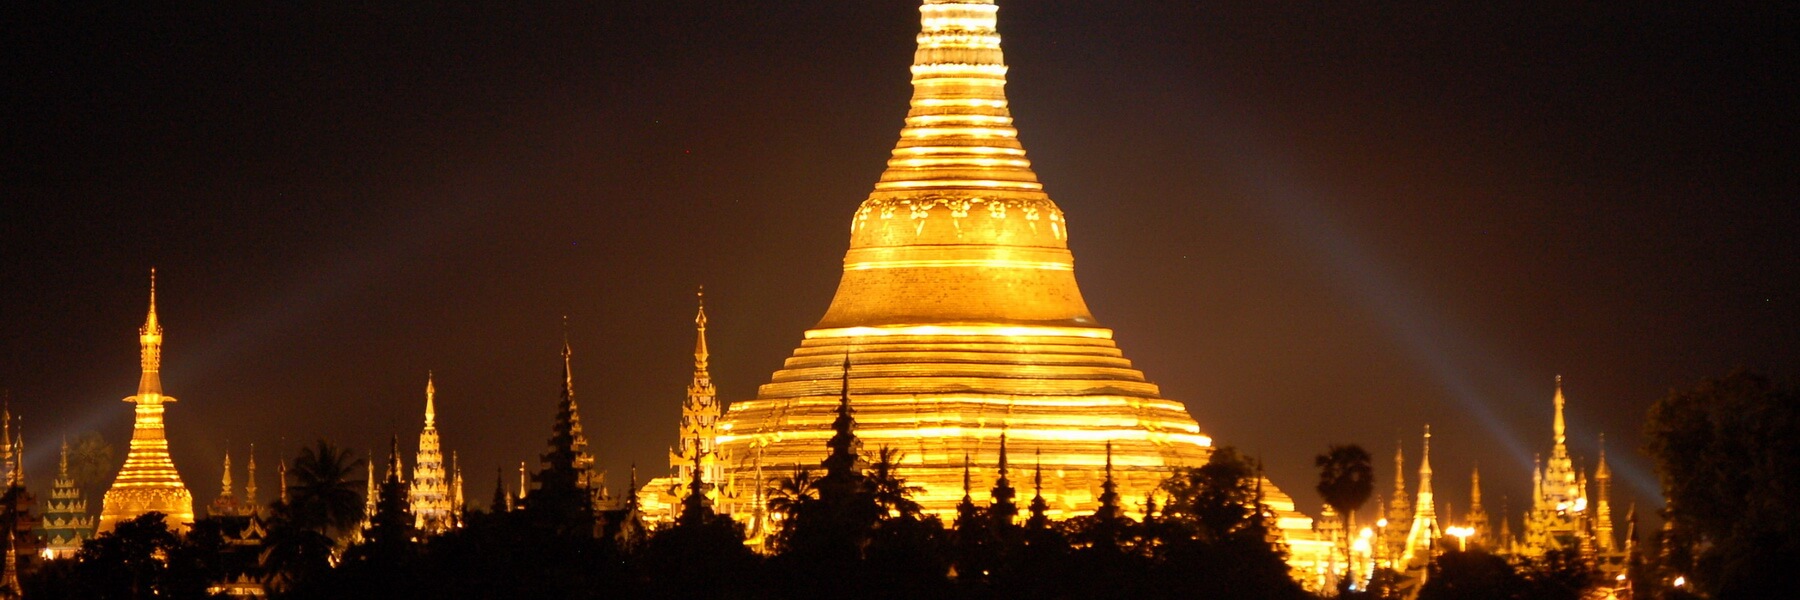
148,482
960,318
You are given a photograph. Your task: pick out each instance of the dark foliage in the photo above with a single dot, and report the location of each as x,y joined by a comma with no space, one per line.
1346,479
1728,452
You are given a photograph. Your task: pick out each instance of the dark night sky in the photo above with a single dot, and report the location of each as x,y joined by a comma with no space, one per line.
1313,222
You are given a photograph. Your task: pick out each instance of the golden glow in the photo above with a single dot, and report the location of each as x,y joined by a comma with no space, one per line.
979,263
148,481
960,319
962,330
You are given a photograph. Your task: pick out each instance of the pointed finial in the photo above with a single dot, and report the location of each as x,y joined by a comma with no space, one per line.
966,484
430,400
1559,424
1601,471
62,464
1037,474
1425,460
701,355
225,481
1003,453
393,469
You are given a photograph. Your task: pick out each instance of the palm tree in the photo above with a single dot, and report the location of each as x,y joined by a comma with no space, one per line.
1346,479
891,491
789,495
327,495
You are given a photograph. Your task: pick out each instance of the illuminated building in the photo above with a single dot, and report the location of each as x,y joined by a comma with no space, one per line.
17,502
148,482
1424,530
1399,512
1559,501
429,493
66,522
696,443
251,508
1477,519
590,476
1561,515
226,504
960,316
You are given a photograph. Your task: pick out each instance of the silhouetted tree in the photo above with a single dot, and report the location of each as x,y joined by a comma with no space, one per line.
1471,575
1346,480
132,561
326,496
1728,453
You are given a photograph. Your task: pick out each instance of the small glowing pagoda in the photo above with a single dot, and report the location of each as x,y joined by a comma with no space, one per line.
148,482
960,319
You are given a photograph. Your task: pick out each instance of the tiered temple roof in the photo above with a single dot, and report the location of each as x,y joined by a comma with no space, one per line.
960,316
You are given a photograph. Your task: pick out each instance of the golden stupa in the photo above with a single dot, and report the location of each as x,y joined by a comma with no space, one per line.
961,320
148,482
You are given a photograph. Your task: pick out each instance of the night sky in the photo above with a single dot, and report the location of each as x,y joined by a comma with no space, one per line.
1312,222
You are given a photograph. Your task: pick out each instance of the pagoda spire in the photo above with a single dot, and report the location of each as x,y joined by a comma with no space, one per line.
371,493
150,352
1424,521
6,444
1109,490
1560,427
148,482
700,413
959,134
428,496
18,474
588,476
958,207
502,501
250,507
454,478
1001,504
1040,508
841,463
1603,527
226,504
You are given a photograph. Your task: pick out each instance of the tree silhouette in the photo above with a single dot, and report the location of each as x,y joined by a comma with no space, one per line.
891,490
1346,480
326,496
1729,459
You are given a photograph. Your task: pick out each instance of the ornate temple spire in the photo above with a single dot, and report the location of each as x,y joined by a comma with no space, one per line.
1424,522
457,505
148,481
1040,509
1559,426
281,494
18,473
1478,517
1109,491
502,501
428,497
6,443
700,413
150,351
371,493
66,522
226,504
1603,526
250,506
1001,504
9,577
588,476
841,463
